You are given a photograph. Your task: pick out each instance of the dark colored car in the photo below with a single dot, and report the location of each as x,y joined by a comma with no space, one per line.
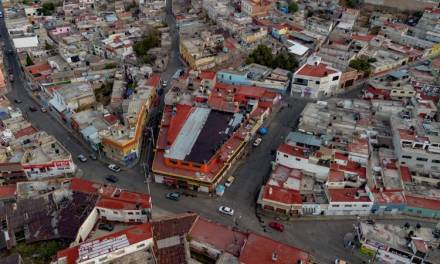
18,101
33,109
111,178
93,156
175,196
277,226
106,227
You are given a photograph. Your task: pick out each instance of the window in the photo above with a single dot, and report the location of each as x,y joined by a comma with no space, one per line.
130,213
140,245
286,156
173,161
317,82
406,157
435,161
298,159
365,205
347,205
419,211
422,159
335,205
115,212
335,78
185,163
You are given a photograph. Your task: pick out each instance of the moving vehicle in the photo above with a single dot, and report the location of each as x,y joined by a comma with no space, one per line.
111,178
229,181
175,196
82,158
277,226
106,227
114,167
226,210
257,142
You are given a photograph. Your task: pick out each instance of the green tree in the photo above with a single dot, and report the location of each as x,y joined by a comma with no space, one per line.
362,64
351,3
142,47
47,9
261,55
293,7
285,60
29,61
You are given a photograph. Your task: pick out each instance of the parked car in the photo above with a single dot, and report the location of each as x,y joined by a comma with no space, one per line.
112,178
114,167
339,261
277,226
106,227
43,109
82,158
229,181
257,142
164,83
92,156
226,210
33,109
18,101
11,78
175,196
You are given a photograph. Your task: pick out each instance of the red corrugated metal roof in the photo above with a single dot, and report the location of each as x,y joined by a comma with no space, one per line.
281,195
8,191
347,195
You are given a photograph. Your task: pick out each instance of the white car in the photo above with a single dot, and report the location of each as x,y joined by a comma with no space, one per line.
339,261
226,210
82,158
114,167
257,142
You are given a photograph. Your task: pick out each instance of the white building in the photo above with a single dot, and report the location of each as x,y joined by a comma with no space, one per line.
113,247
315,78
349,201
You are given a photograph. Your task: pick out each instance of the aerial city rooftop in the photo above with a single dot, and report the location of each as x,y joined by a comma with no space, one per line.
231,131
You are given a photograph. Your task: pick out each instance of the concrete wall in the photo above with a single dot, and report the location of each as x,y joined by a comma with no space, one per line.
86,227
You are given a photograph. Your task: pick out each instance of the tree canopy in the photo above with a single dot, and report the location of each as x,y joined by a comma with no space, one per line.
362,64
293,7
263,55
142,47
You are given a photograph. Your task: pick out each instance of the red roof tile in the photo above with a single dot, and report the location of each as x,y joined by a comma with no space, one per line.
260,249
134,235
220,236
8,191
405,174
207,75
389,198
154,80
347,195
281,195
320,70
25,132
38,68
426,203
336,176
291,150
365,38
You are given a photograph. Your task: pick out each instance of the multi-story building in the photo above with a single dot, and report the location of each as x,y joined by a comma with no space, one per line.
255,8
394,244
315,78
204,131
121,142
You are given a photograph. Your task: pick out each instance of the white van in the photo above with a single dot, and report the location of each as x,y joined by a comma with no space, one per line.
229,181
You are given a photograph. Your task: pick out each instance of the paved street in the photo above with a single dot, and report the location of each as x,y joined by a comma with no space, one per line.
322,238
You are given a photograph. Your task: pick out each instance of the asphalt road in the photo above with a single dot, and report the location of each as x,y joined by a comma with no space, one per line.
323,239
